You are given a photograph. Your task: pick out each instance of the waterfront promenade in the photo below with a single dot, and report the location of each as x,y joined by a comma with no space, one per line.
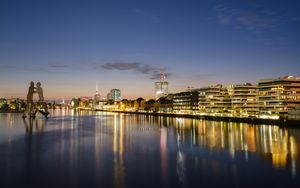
253,120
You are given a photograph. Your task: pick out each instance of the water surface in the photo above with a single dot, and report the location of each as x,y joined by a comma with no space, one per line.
98,149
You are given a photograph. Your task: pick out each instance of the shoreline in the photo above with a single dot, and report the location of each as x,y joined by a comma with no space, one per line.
259,121
252,120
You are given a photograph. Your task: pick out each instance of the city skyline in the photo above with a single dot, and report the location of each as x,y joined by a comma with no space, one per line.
70,46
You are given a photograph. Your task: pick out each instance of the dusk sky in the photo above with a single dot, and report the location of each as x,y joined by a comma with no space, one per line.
69,46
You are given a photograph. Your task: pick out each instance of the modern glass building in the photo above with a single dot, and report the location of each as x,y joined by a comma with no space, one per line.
115,95
185,101
161,89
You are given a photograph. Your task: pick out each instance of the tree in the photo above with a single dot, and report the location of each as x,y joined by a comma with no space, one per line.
4,107
139,101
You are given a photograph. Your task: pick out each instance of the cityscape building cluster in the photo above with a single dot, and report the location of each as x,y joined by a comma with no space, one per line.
277,98
271,98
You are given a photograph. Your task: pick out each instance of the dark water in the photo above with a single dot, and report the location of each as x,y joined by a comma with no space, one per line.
121,150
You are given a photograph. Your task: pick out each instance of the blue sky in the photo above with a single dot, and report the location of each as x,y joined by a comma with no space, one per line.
71,45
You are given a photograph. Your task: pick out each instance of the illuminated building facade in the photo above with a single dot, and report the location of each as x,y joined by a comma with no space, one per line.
214,99
277,96
185,101
294,113
243,99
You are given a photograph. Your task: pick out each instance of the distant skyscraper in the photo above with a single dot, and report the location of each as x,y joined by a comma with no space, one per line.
97,96
63,101
161,87
114,94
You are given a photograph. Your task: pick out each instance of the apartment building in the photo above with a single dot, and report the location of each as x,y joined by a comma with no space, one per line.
276,96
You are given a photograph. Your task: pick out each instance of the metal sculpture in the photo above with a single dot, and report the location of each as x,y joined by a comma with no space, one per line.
31,107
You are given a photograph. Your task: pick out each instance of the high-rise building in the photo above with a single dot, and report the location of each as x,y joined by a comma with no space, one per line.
161,87
97,96
277,96
114,94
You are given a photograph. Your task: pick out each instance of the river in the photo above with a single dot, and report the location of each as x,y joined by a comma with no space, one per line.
102,149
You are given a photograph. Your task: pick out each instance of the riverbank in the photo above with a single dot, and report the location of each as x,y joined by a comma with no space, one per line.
251,120
10,111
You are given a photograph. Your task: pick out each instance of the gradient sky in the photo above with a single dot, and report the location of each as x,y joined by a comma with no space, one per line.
71,45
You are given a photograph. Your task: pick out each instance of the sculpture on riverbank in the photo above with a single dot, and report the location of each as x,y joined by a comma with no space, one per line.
39,91
40,106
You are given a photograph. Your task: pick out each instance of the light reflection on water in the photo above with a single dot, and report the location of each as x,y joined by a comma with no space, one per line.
125,150
280,143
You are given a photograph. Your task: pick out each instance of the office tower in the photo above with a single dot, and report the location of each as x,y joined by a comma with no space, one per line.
97,96
114,94
161,87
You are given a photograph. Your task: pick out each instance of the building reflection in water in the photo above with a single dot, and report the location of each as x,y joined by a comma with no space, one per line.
270,142
274,144
119,174
163,156
180,163
178,145
33,125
